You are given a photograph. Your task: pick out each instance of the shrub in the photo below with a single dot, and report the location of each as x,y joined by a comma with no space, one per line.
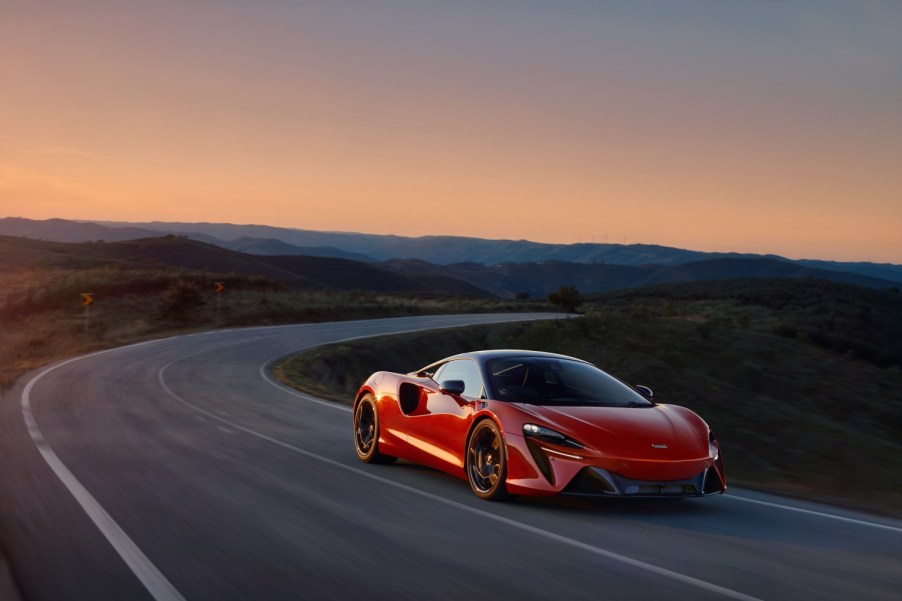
567,297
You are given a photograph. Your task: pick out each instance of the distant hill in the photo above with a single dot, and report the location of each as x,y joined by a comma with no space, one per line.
183,253
440,250
64,230
444,250
886,271
539,279
271,246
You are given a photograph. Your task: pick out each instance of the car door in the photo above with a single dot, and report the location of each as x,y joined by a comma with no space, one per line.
439,430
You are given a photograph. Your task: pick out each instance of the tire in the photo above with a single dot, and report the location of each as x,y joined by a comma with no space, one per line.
486,463
366,432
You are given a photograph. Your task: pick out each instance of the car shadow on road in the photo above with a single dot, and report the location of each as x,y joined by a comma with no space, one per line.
714,515
621,506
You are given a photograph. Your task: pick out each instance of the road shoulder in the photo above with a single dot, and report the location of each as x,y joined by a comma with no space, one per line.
8,589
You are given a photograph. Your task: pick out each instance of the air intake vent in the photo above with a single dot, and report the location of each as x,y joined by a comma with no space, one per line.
660,490
590,481
712,484
541,460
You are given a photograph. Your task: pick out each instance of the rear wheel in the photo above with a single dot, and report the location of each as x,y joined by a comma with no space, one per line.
366,432
487,462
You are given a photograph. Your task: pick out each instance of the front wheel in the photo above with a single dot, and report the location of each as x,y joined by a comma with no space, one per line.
487,462
366,432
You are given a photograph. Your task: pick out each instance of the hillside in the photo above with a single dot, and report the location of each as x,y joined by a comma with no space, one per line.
64,230
800,380
156,286
270,246
510,280
539,279
172,252
440,250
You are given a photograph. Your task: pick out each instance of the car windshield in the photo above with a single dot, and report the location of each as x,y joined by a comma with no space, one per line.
552,381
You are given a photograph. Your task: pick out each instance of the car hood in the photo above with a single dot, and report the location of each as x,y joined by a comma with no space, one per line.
640,432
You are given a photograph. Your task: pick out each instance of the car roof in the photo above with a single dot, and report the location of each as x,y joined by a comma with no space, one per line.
483,356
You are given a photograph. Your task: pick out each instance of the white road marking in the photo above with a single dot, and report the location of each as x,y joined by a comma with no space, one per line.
264,369
162,590
265,375
153,580
817,513
702,584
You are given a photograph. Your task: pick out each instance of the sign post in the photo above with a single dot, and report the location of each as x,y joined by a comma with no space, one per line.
218,287
86,299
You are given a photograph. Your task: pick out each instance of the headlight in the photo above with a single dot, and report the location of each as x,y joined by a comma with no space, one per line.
548,435
713,447
542,431
536,435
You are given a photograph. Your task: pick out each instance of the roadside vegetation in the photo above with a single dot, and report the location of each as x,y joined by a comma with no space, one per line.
42,318
800,379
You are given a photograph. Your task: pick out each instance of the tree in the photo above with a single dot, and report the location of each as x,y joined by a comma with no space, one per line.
567,297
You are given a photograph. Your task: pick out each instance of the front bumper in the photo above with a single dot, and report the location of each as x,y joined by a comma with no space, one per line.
598,482
541,470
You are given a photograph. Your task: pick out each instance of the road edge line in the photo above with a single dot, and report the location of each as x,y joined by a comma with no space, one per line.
821,514
147,573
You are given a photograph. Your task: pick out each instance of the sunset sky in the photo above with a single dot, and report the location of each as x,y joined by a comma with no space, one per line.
770,126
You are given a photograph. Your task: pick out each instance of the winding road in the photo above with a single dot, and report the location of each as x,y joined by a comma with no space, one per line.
180,469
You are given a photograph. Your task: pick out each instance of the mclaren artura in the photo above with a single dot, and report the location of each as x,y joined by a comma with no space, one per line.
529,423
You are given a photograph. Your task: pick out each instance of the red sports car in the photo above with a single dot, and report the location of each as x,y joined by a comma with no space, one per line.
531,423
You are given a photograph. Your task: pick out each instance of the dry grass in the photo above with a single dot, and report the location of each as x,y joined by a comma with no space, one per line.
794,415
42,320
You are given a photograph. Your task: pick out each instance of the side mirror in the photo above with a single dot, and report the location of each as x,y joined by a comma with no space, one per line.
454,387
645,391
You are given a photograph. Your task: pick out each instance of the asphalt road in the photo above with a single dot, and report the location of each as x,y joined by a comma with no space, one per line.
178,469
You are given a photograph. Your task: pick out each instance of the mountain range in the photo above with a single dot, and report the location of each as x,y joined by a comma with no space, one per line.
441,264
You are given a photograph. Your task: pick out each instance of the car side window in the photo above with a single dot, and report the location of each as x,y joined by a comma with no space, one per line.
462,369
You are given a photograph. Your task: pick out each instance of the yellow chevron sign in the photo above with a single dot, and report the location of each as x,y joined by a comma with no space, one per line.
87,298
219,286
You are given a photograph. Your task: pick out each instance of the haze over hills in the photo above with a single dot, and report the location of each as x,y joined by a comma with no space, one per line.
271,246
593,265
442,250
171,252
539,279
509,280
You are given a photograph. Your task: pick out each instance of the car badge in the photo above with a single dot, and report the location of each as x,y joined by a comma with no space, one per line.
658,445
